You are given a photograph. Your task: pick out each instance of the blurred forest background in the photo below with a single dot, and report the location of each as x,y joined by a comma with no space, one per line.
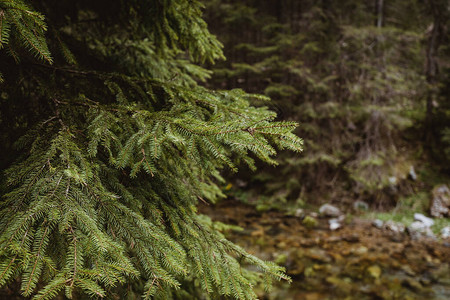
368,81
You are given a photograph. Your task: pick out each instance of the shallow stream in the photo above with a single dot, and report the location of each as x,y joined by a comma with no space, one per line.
357,261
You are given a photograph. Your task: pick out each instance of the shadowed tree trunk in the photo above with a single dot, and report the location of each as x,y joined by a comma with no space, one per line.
431,67
379,5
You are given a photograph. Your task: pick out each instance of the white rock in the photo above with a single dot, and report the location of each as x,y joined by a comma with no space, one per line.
378,223
429,233
445,232
440,204
418,229
425,220
412,173
334,224
393,180
394,226
313,214
417,226
329,210
299,212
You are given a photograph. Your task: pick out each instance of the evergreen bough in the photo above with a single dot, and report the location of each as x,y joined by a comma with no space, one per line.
108,143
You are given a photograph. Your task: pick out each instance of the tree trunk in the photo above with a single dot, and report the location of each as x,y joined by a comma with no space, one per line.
379,6
431,68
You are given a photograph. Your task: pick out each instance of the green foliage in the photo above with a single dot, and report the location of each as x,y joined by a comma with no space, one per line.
442,120
20,23
358,90
110,148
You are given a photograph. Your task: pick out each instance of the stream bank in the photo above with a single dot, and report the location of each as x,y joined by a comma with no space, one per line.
357,261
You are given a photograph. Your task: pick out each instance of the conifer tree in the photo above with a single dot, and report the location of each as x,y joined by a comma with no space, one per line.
108,143
358,90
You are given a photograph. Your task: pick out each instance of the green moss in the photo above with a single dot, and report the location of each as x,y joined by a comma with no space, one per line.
281,259
439,224
310,222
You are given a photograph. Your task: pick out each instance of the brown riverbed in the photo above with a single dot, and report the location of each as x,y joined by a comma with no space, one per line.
357,261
